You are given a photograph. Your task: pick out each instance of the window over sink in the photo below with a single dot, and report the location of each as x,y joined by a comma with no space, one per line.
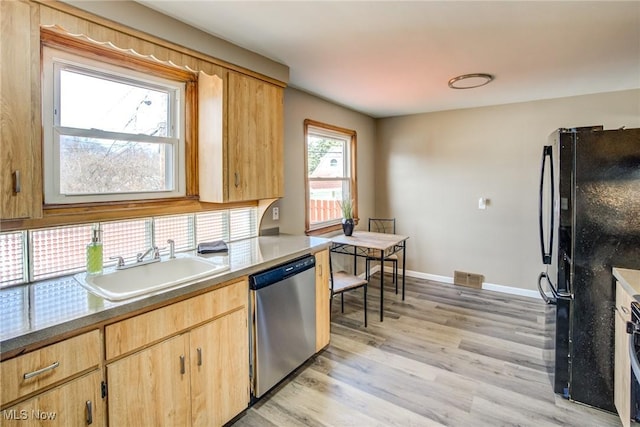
112,129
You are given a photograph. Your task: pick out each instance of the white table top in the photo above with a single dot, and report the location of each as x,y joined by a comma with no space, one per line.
370,240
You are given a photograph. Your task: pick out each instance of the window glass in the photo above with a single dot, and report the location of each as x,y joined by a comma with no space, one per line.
98,102
330,177
106,166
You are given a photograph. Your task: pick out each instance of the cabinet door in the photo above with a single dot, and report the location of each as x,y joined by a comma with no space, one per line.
77,403
151,387
220,369
212,166
323,319
254,139
622,366
19,113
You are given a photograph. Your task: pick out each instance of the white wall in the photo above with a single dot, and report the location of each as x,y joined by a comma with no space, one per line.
432,168
142,18
299,106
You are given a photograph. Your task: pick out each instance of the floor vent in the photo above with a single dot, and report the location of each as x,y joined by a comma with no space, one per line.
472,280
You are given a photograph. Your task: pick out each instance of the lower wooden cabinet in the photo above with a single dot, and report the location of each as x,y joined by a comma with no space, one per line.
197,378
219,356
76,403
622,366
151,387
323,293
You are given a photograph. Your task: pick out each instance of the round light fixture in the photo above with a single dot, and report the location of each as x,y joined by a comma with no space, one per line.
469,81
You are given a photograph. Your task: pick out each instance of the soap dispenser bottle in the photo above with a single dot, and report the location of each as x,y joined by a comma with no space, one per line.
94,253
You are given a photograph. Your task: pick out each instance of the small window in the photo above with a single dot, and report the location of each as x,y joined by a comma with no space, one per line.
110,133
331,174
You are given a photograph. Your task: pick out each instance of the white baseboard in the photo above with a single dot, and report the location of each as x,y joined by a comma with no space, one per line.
511,290
446,279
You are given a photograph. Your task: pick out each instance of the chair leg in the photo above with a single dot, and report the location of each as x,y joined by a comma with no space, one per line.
342,302
365,305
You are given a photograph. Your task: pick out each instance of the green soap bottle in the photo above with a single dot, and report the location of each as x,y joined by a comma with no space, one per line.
94,253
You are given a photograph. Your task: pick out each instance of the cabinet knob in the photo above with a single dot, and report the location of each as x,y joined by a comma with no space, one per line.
89,407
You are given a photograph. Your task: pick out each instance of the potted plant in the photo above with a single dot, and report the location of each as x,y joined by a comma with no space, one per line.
347,216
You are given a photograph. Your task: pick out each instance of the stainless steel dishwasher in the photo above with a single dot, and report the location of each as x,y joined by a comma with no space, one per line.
284,321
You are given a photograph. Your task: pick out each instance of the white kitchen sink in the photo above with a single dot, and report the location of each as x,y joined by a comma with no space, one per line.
116,285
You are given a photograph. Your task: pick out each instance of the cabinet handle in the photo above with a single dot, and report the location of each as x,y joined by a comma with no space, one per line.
28,375
624,309
89,412
182,368
237,179
17,183
199,351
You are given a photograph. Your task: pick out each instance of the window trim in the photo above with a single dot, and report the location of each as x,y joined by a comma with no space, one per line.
110,56
353,182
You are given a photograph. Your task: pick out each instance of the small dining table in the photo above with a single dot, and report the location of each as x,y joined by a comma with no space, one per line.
366,242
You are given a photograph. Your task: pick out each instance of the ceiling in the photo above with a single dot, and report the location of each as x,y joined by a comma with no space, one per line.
390,58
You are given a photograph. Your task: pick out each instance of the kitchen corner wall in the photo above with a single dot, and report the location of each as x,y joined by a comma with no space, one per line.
299,106
432,168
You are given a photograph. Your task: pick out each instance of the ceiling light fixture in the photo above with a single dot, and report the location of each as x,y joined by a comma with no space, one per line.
469,81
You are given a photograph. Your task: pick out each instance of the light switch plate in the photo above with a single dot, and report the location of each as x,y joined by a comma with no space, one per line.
275,213
482,203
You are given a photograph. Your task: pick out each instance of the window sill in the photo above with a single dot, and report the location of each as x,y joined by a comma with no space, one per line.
327,229
58,215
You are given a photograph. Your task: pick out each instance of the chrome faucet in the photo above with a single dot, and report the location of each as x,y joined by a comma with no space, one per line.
153,250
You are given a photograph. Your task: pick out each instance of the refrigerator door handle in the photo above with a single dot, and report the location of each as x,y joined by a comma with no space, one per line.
547,299
547,152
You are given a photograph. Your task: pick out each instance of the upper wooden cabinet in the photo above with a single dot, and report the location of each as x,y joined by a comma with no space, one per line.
20,129
240,138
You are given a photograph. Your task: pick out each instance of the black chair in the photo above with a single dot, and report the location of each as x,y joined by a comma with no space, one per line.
383,225
342,282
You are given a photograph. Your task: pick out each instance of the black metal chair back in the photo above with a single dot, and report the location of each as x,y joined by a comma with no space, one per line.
382,225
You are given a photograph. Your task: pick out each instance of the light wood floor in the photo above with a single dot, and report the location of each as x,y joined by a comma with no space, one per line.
447,355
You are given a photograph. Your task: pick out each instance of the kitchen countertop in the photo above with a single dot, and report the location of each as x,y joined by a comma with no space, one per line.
629,279
40,311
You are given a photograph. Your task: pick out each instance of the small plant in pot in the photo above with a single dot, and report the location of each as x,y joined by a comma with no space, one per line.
347,216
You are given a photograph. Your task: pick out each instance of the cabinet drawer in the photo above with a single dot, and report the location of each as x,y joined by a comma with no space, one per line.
73,404
139,331
32,371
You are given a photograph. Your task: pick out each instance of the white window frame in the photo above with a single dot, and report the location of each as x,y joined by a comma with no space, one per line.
53,62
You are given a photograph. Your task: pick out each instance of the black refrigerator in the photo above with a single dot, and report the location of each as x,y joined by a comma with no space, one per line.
589,223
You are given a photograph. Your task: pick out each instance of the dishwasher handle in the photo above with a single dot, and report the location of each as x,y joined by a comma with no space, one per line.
281,272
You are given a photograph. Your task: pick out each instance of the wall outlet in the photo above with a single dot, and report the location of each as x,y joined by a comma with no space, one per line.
275,213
